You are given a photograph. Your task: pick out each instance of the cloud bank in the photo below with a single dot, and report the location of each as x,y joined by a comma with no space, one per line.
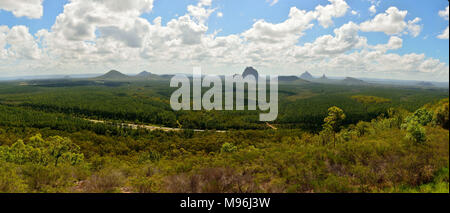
32,9
92,36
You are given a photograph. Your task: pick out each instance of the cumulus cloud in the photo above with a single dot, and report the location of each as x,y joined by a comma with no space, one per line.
444,14
82,18
186,30
98,30
325,14
289,31
3,33
203,3
393,44
347,53
379,64
392,22
346,38
413,27
29,8
22,45
444,34
96,35
199,12
372,9
105,32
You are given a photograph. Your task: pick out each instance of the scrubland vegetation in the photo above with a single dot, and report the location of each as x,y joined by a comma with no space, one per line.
340,139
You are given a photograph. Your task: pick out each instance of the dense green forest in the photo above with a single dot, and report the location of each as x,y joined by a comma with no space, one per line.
329,138
302,105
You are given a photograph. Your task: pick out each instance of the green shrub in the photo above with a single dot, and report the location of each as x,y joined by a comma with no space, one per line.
441,114
422,116
104,181
228,148
144,185
362,128
415,132
151,156
48,179
10,179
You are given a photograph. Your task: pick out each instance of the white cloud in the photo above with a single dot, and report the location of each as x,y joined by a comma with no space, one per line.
82,18
204,3
3,33
354,12
375,2
393,44
272,2
336,9
413,27
392,22
444,34
20,8
379,64
444,14
372,9
186,30
22,45
102,32
288,31
99,35
220,14
199,12
346,38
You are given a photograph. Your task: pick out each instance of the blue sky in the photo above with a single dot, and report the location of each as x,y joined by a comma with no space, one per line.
240,16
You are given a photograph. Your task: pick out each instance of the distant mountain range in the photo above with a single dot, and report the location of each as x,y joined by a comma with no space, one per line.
353,81
324,79
115,75
306,77
288,78
425,84
252,71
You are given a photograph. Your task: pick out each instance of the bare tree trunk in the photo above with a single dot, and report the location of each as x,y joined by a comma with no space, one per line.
334,139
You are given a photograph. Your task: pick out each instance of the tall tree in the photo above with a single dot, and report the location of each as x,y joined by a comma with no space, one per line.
333,121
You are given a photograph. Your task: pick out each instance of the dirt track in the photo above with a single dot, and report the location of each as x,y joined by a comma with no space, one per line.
150,127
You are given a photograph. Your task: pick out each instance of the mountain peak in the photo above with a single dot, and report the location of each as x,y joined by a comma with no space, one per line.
306,76
113,72
353,81
324,77
113,75
250,71
144,73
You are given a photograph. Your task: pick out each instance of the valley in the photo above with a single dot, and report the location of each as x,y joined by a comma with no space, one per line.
118,133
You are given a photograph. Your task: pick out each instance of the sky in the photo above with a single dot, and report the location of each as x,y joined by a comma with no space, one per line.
389,39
